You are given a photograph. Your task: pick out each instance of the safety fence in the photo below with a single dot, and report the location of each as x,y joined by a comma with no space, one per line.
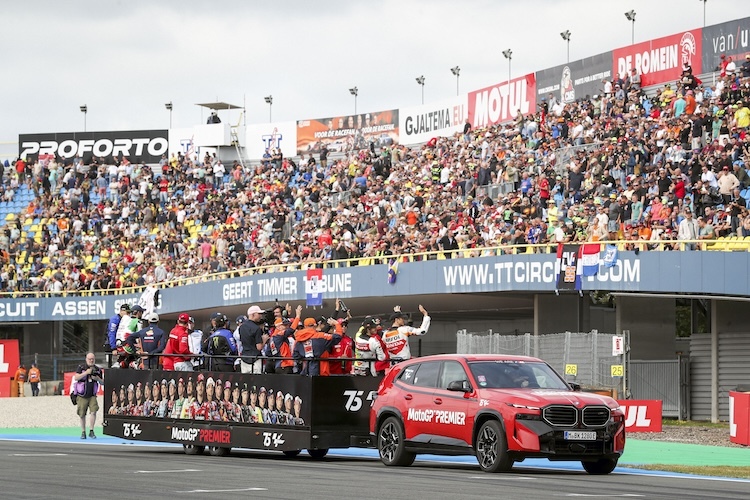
580,357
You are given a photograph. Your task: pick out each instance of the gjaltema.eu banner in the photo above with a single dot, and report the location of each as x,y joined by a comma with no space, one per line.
136,145
341,133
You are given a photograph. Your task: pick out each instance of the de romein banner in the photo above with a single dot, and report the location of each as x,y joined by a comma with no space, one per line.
340,133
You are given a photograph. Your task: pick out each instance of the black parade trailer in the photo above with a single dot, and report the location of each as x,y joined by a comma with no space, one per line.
219,411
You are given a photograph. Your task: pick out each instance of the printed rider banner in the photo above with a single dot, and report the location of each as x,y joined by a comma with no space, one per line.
575,80
340,133
660,60
731,39
418,124
136,145
261,137
502,102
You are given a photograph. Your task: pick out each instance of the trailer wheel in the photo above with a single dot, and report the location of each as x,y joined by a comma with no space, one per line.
191,449
318,453
217,451
292,453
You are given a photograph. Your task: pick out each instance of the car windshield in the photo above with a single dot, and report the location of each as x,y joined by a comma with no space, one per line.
516,375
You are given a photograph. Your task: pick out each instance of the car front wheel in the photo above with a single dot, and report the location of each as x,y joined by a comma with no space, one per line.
491,448
391,444
603,466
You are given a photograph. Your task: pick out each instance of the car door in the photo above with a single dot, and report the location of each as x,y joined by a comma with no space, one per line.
417,384
453,421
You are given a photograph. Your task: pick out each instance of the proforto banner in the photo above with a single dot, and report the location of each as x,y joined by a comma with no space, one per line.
418,124
340,133
574,80
136,145
731,39
502,102
661,60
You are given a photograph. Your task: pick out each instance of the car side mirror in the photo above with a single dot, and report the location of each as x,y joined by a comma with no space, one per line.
575,387
459,386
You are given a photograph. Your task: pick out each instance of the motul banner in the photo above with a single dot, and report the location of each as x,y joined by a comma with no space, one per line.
731,39
660,60
575,80
341,133
419,124
642,415
502,102
135,145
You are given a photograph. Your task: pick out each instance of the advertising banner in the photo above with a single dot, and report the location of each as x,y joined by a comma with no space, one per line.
731,39
575,80
660,60
9,361
502,102
135,145
261,137
642,415
418,124
340,133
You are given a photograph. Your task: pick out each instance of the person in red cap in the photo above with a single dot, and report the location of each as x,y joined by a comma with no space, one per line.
178,344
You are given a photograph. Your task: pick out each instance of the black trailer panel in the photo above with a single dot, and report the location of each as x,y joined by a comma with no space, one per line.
317,413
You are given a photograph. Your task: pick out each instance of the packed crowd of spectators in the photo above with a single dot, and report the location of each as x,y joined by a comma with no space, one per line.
644,169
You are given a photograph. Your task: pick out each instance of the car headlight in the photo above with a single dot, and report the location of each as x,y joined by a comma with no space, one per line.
523,407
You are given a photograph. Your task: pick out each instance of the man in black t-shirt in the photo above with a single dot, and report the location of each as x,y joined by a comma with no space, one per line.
87,380
252,338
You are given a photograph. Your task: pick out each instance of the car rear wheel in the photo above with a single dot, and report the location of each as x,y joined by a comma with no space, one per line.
318,453
191,449
603,466
491,448
218,451
391,444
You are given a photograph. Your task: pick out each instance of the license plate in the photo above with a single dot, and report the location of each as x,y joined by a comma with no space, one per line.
580,436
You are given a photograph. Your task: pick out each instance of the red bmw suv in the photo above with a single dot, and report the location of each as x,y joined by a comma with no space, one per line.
502,409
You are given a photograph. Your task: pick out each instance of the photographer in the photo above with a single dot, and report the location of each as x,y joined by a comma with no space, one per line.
252,337
87,380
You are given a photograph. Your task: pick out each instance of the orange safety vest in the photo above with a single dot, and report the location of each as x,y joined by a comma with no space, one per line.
35,375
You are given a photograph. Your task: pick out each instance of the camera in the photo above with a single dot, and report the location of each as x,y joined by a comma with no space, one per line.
343,306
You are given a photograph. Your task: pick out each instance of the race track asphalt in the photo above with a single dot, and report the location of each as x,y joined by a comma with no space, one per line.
52,464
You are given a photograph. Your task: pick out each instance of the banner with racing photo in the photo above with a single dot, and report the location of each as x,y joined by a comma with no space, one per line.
576,80
567,267
343,133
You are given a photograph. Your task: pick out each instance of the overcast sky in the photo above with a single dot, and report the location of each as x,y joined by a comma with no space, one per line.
126,59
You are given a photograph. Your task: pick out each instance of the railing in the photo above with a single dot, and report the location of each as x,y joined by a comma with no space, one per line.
731,244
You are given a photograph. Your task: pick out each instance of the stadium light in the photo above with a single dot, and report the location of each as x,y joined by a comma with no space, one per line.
269,101
169,108
631,17
420,81
84,110
508,54
456,71
355,92
566,36
704,12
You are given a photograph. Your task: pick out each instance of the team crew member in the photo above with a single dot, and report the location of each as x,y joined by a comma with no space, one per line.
113,325
221,344
397,337
195,341
280,344
370,348
152,342
252,338
344,349
178,344
312,343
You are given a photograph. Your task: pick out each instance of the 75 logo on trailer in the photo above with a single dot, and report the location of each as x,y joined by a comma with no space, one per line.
354,399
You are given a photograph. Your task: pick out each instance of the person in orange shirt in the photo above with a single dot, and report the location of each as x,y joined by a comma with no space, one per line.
313,344
35,377
20,378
